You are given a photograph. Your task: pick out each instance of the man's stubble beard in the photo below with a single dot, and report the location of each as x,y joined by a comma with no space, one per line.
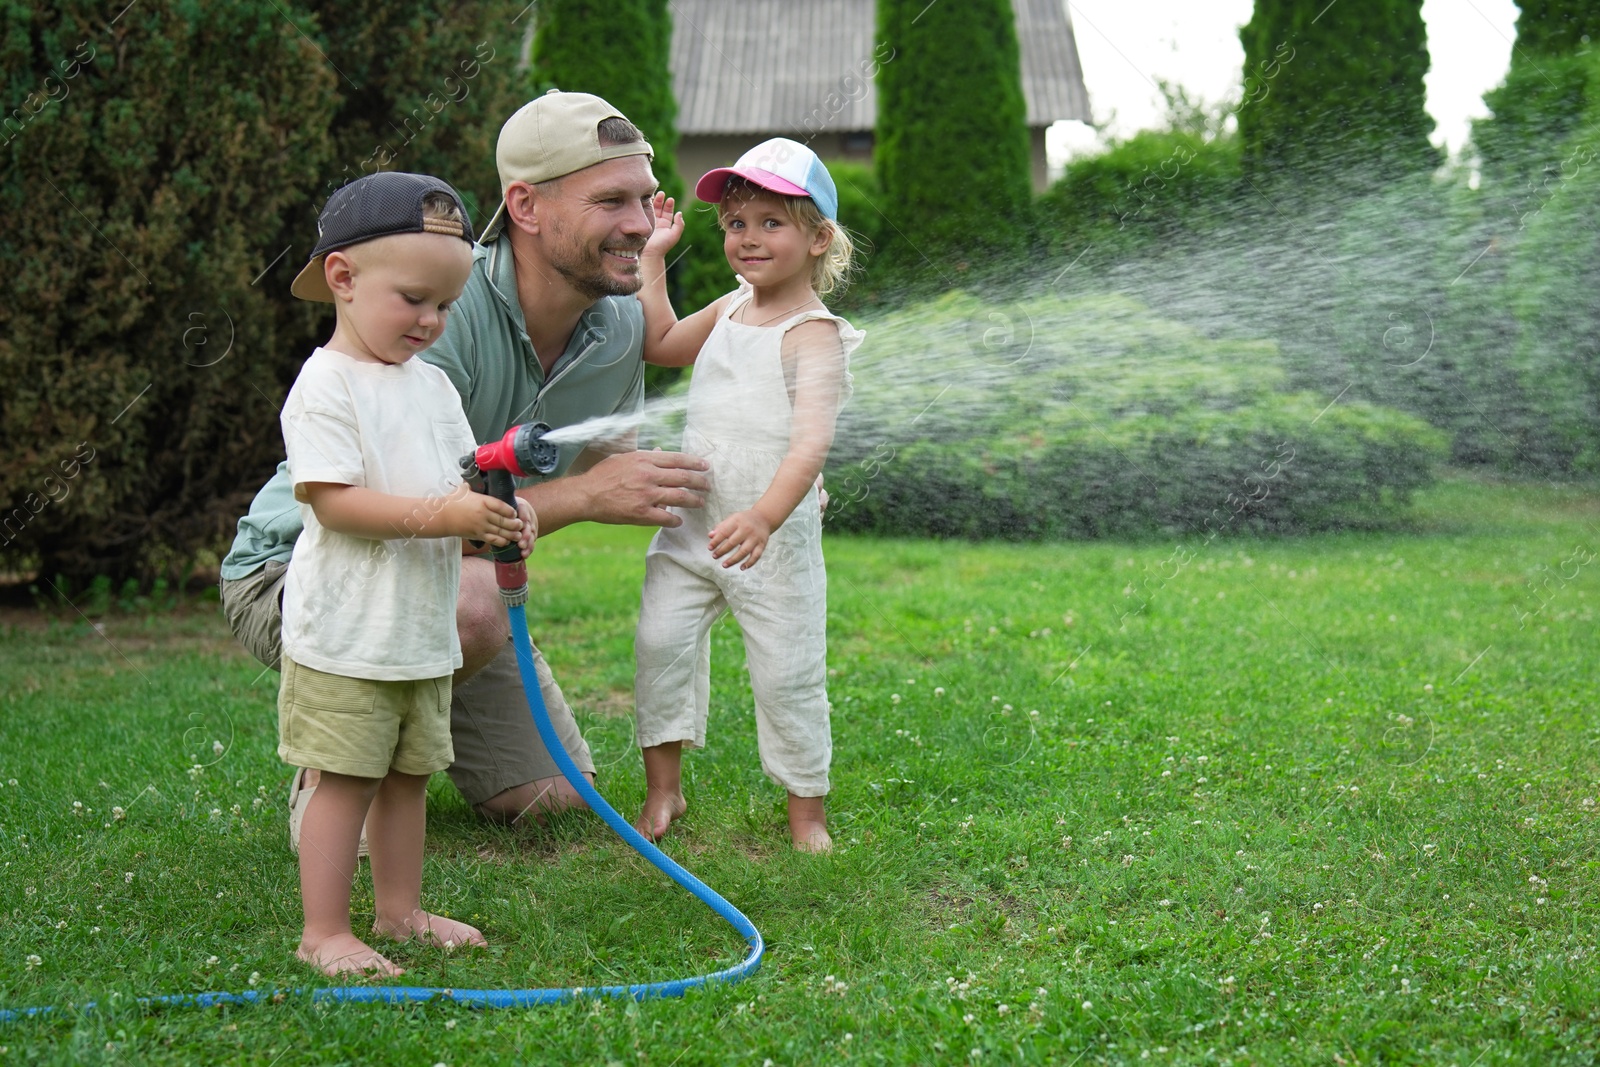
583,267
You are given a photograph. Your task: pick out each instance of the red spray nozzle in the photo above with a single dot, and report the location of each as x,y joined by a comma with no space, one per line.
521,452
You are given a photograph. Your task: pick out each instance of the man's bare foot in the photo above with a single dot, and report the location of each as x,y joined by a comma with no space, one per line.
808,824
346,954
661,810
430,929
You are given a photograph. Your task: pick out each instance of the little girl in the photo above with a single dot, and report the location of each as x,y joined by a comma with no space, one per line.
771,373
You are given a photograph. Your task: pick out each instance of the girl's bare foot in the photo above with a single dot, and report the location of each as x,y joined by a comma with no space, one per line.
808,824
430,929
662,808
346,954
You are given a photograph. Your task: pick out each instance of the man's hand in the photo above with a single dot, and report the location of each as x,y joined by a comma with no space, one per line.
637,488
740,538
480,517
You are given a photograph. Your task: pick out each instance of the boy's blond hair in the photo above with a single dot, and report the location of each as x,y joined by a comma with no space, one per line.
441,215
829,271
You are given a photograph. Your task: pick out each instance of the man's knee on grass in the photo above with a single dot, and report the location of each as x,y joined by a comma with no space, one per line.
546,796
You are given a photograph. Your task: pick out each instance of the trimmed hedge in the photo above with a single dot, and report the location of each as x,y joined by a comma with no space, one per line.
1094,418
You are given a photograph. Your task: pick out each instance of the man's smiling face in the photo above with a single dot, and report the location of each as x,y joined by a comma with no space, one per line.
598,222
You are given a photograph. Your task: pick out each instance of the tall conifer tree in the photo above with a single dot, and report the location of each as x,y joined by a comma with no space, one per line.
1334,91
952,136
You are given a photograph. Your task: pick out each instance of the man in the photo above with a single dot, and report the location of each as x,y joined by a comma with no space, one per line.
546,330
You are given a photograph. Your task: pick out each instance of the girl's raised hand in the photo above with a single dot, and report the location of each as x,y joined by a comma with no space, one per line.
669,226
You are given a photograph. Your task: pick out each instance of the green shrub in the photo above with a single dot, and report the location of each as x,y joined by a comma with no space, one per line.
1094,418
157,206
1552,278
1139,192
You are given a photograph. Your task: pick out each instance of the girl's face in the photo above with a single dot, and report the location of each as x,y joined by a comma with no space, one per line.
764,245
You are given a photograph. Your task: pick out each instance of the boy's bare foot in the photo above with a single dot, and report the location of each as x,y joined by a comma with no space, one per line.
346,954
430,929
808,824
661,809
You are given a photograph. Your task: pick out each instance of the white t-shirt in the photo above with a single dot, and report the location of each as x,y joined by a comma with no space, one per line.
354,606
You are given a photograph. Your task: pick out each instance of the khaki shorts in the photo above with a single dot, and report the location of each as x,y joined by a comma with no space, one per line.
496,745
362,726
253,606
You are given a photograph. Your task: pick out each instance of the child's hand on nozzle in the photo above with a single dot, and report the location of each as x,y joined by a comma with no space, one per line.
530,527
669,227
479,517
740,538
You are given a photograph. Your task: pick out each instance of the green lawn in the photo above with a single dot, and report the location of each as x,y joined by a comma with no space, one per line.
1329,800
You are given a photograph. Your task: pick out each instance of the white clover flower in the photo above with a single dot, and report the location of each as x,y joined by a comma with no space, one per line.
1088,1005
127,876
33,961
216,748
118,813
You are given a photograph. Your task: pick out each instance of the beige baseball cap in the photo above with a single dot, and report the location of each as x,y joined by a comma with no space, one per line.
550,137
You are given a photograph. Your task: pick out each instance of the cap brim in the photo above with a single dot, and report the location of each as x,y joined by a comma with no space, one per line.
312,282
713,184
496,223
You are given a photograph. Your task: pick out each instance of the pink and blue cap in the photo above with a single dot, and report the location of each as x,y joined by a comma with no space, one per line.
781,166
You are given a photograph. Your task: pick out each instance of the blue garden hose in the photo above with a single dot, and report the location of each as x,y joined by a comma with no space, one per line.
507,998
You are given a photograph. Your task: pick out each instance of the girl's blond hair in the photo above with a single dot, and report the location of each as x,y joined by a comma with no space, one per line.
829,271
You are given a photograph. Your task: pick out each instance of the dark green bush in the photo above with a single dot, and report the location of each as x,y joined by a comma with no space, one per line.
158,202
1094,418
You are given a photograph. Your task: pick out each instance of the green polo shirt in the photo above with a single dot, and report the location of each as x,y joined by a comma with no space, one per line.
486,353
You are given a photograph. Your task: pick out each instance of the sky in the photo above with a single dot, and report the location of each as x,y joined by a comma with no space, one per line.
1125,46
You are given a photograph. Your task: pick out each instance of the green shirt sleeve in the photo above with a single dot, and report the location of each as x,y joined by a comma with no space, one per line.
268,531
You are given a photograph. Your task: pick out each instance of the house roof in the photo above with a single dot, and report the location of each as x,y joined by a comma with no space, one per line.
765,66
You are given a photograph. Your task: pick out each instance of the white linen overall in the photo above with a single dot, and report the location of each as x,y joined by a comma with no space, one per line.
739,416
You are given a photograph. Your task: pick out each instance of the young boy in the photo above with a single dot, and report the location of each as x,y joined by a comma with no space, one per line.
374,439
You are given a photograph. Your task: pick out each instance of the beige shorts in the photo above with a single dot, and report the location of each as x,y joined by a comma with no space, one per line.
496,745
361,726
